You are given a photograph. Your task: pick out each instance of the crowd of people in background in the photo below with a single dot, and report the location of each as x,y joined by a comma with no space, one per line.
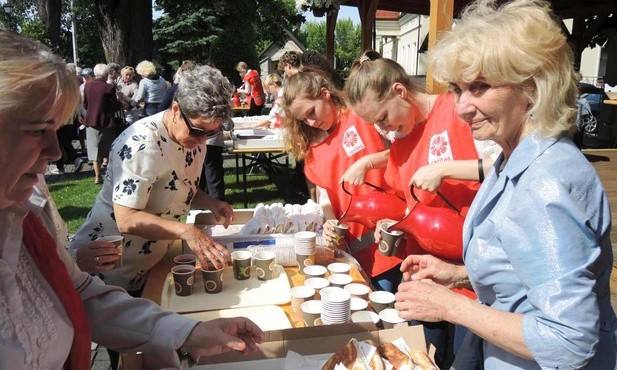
494,145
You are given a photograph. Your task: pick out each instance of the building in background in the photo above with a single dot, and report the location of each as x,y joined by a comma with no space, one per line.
268,59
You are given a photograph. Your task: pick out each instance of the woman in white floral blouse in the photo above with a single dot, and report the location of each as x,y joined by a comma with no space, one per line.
151,181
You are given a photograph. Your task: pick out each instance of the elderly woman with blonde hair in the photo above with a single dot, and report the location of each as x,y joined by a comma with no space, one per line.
152,87
537,247
50,310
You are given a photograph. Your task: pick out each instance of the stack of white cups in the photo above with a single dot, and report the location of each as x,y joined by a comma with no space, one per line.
336,305
305,246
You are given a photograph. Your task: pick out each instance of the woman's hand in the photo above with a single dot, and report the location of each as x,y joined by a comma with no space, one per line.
328,232
425,301
205,248
222,335
222,209
378,229
356,172
429,177
97,256
418,267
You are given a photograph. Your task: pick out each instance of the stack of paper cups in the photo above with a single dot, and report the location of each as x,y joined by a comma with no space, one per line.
336,305
305,247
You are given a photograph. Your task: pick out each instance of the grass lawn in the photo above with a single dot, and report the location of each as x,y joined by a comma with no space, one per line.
74,194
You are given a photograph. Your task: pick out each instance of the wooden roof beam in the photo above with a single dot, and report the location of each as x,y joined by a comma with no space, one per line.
440,20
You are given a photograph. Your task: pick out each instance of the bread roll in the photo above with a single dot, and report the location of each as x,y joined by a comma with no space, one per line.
346,356
395,356
353,358
421,359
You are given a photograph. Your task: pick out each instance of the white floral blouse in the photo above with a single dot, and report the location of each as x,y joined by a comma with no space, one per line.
150,172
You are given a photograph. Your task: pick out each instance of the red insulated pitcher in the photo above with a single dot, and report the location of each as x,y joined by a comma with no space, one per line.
438,230
369,208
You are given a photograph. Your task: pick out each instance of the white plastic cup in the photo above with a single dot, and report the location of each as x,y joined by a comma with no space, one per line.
380,300
315,271
339,268
358,290
340,280
389,317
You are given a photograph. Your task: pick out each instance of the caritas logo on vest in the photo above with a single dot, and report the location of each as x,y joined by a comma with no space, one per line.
352,143
440,149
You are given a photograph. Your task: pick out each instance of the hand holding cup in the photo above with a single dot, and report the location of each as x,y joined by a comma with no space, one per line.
102,254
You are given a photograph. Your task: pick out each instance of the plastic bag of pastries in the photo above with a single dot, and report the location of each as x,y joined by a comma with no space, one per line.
398,356
355,356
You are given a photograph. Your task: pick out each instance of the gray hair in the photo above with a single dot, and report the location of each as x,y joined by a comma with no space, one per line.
205,92
113,67
101,70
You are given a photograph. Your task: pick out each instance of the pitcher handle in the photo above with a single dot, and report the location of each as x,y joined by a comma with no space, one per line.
413,195
366,183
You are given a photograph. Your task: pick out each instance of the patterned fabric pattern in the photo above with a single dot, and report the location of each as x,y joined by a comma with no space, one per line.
25,316
150,172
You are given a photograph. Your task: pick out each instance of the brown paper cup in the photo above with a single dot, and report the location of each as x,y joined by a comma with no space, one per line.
303,261
213,279
341,229
264,265
311,312
241,262
183,279
390,240
186,259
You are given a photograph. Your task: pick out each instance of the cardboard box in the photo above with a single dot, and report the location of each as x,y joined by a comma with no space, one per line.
318,340
229,237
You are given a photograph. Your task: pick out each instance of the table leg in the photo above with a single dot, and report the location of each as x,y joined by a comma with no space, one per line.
244,180
237,171
287,176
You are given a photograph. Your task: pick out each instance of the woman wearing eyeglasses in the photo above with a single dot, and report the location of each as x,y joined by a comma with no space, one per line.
151,181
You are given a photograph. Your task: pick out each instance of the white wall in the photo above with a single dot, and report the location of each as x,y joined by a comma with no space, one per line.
400,40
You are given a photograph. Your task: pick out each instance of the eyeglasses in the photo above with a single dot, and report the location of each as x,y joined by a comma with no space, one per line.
196,131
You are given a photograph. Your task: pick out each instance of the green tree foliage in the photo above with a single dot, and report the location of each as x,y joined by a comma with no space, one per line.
25,19
346,41
222,32
347,44
314,36
185,32
88,36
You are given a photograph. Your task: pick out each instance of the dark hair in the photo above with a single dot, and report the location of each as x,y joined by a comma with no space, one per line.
290,57
314,61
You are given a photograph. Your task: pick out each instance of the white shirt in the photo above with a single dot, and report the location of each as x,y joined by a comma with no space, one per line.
35,331
149,172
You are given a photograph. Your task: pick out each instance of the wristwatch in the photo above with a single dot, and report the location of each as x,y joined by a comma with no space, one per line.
184,356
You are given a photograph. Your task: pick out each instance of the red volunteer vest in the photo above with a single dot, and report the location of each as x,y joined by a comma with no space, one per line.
442,137
257,90
352,139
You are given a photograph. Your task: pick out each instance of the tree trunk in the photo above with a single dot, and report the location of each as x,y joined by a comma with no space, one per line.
126,30
50,12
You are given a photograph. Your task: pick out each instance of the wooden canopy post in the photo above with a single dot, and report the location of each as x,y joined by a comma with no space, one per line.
367,10
440,19
331,17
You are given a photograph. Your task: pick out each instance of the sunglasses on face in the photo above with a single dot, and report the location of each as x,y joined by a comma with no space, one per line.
196,131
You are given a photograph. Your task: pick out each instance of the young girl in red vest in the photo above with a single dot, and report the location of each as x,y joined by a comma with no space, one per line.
337,145
434,149
252,87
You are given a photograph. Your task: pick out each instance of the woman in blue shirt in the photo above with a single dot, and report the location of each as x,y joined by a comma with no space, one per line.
536,238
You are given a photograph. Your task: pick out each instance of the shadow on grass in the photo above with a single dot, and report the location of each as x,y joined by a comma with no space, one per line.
71,213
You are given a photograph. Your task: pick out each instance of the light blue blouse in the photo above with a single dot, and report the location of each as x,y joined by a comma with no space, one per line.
537,242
